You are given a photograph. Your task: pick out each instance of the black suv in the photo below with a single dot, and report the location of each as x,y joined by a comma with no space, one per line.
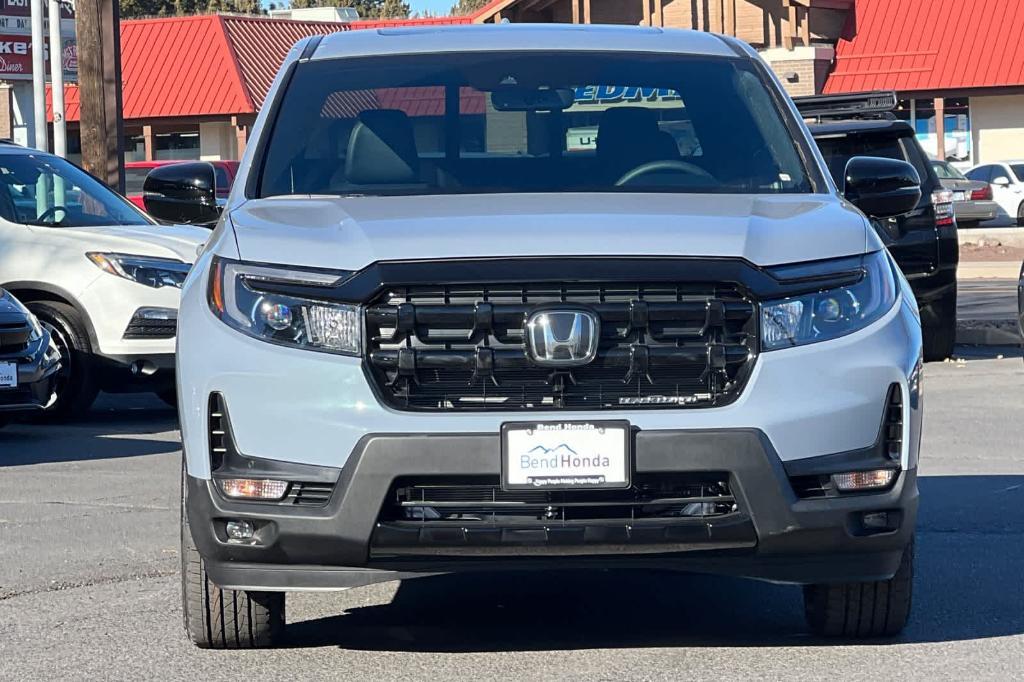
924,241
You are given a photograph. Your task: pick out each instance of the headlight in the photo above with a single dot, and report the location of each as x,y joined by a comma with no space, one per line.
153,272
829,314
239,295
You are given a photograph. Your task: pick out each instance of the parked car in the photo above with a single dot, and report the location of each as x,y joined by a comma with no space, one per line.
1007,181
924,241
135,173
397,360
1020,299
972,199
102,277
29,361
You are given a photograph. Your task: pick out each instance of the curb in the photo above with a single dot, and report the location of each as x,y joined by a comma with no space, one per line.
989,333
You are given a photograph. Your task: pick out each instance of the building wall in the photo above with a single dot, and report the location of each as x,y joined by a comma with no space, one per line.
997,125
217,141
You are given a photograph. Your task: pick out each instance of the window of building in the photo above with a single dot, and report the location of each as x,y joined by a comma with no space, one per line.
175,146
920,113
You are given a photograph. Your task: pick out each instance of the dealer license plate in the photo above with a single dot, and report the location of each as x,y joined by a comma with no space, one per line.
565,455
8,375
959,196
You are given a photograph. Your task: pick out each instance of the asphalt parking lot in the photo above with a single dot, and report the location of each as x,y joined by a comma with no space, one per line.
89,584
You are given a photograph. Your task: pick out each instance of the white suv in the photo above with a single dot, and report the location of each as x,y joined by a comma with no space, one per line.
100,275
440,328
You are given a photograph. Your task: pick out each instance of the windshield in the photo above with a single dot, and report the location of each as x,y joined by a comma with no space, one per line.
39,189
947,172
529,122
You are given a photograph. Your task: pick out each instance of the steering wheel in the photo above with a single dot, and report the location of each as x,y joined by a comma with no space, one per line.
661,166
51,213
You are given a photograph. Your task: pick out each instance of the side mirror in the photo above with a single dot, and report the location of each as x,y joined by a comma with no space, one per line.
182,193
882,188
1001,181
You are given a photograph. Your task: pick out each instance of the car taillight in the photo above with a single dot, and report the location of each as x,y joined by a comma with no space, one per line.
983,194
942,200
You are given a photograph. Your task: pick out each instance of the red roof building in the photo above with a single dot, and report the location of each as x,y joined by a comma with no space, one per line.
958,65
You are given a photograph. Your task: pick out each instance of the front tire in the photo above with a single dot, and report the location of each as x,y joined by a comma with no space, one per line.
861,610
938,321
216,618
75,384
1020,215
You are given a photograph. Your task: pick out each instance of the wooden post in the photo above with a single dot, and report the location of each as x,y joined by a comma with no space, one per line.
98,25
805,28
148,142
940,128
241,135
647,12
716,8
659,18
730,17
586,11
575,11
788,23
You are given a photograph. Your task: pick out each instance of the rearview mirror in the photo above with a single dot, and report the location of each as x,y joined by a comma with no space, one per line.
882,188
1002,181
533,99
182,193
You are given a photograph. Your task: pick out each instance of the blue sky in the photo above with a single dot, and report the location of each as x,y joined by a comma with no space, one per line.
435,6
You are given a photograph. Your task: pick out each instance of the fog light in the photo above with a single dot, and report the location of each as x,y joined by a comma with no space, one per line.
875,520
239,530
863,480
254,488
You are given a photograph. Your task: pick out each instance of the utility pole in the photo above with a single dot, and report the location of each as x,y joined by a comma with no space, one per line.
98,25
39,140
60,145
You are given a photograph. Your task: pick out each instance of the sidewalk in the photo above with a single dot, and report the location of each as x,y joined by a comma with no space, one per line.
987,303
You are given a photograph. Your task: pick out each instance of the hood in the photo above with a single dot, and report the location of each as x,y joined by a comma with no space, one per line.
162,241
351,233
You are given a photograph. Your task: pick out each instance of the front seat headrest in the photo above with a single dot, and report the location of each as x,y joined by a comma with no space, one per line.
382,149
622,128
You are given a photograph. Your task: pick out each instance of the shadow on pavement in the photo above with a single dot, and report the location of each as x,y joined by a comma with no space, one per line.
987,352
114,428
967,586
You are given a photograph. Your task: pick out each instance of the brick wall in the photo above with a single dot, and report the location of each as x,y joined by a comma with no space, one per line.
6,112
805,76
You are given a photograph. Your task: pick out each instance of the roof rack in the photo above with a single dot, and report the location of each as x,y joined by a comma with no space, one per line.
876,104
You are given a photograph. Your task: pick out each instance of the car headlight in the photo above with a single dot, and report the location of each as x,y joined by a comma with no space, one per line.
831,313
147,270
242,295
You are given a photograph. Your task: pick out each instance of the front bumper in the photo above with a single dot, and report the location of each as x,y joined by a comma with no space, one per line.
37,370
772,534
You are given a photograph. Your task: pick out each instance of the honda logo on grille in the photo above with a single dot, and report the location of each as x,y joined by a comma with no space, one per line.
562,338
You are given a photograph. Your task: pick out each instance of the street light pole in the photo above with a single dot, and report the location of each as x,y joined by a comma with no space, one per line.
38,78
60,147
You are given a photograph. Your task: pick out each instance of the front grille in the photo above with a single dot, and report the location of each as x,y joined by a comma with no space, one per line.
14,337
309,494
481,500
463,347
144,326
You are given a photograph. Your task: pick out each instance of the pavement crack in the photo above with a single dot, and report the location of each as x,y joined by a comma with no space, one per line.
64,585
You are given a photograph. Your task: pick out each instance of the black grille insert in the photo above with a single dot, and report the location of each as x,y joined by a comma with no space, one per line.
463,348
14,337
144,326
481,501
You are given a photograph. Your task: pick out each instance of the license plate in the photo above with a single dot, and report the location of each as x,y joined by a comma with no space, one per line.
959,196
8,375
565,455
